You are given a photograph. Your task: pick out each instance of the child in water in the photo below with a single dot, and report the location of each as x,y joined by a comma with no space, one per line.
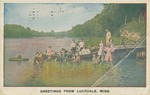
36,64
41,61
77,58
36,59
95,59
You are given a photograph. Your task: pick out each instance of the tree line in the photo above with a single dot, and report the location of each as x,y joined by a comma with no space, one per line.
114,17
18,31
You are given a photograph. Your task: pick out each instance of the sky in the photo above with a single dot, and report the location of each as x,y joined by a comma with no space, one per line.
50,16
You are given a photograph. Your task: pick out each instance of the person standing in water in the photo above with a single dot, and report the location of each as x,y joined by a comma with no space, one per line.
101,51
36,65
50,52
108,56
73,47
112,46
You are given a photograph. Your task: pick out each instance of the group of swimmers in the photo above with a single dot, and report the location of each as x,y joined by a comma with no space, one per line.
63,55
72,55
78,49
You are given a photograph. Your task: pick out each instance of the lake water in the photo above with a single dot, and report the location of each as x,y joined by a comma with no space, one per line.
129,73
27,47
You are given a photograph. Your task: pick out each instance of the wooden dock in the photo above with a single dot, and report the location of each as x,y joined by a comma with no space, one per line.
130,47
120,51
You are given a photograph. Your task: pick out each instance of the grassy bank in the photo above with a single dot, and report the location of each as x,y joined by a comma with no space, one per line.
66,74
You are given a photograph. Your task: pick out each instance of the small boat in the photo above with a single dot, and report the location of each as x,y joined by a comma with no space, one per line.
18,59
87,56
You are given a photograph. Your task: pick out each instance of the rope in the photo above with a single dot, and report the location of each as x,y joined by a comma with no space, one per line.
98,81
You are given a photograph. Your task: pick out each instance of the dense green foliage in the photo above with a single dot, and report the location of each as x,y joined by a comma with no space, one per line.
113,17
18,31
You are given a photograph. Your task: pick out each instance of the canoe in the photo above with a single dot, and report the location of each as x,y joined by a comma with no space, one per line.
18,59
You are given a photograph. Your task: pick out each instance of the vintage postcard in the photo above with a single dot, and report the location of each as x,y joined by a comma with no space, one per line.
74,47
